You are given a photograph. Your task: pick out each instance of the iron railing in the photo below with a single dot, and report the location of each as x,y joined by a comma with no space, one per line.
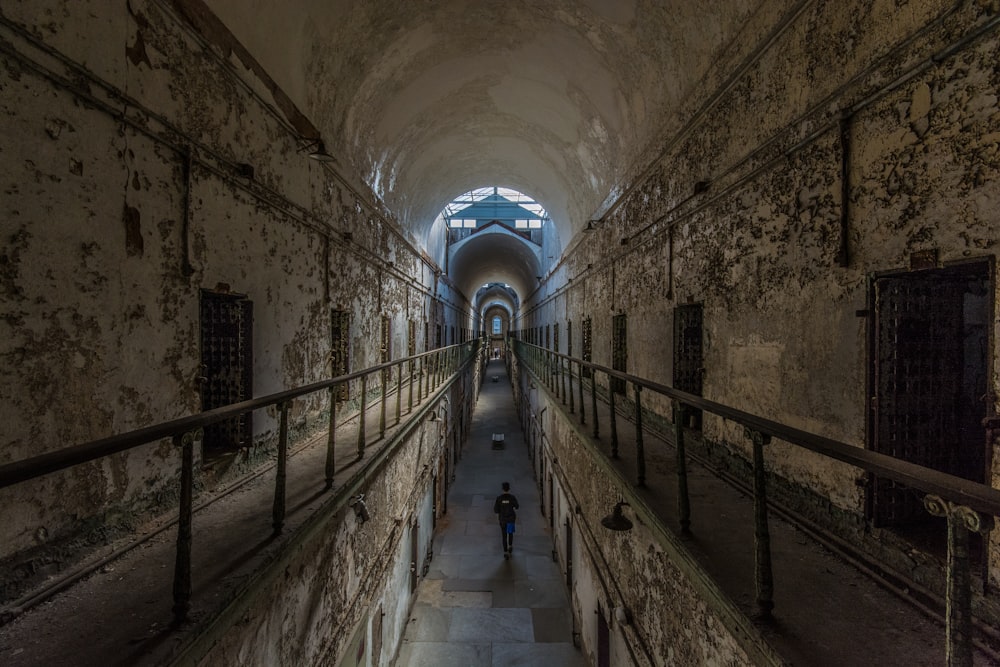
423,373
968,506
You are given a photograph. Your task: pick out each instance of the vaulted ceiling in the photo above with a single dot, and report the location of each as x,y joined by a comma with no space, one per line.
564,100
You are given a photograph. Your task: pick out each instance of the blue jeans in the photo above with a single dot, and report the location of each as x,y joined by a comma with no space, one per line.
507,535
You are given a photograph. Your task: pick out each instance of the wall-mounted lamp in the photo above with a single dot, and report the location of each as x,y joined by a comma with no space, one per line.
360,511
616,520
623,616
593,225
317,151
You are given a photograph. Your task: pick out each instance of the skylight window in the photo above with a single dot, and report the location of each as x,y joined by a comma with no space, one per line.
480,207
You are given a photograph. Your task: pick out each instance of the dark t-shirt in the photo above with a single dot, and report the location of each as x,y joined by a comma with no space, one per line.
504,506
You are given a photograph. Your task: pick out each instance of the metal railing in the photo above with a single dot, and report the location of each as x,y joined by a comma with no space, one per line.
967,506
423,373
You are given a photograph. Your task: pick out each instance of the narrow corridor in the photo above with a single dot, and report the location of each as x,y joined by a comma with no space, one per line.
473,607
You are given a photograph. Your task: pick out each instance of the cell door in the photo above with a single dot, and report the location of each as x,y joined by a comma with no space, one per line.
569,553
929,377
689,363
619,351
340,339
227,367
603,639
588,344
414,555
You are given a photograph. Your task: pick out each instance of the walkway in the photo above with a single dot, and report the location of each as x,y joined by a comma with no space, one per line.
473,608
827,612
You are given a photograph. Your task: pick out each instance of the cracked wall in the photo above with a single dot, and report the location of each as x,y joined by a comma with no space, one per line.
141,165
759,242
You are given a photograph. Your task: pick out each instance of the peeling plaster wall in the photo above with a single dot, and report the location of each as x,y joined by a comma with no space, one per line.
344,572
672,622
760,248
124,131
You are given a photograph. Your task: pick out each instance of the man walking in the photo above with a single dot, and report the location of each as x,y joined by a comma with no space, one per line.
504,507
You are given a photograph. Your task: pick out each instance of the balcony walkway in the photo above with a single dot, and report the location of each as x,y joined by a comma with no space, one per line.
827,613
474,608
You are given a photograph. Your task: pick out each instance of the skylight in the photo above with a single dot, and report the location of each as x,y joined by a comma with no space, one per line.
494,204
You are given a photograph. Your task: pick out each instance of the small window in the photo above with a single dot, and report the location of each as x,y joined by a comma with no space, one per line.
497,323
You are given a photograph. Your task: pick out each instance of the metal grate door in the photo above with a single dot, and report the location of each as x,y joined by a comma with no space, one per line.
619,351
340,336
926,407
689,362
227,366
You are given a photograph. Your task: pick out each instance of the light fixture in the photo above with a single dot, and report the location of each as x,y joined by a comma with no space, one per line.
317,150
592,225
616,520
360,511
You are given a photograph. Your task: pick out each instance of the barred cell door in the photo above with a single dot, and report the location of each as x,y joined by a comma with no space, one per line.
929,377
227,367
619,351
689,362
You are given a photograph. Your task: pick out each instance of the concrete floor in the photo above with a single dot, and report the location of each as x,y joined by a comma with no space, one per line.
474,608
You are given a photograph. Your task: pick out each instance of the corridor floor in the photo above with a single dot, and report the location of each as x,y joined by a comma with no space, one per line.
473,607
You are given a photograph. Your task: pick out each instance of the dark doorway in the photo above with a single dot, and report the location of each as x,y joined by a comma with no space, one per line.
930,337
414,556
588,344
227,367
603,639
340,350
569,553
619,351
689,362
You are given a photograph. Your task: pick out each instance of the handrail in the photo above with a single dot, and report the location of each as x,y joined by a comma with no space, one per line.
978,496
429,370
43,464
968,507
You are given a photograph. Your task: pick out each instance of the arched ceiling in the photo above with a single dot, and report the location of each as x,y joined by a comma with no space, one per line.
427,99
485,258
496,297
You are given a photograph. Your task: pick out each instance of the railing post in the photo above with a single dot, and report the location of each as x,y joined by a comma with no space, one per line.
409,401
958,597
613,418
640,449
331,437
424,380
383,382
399,392
278,510
762,537
572,406
182,557
593,406
362,416
554,370
562,380
683,502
